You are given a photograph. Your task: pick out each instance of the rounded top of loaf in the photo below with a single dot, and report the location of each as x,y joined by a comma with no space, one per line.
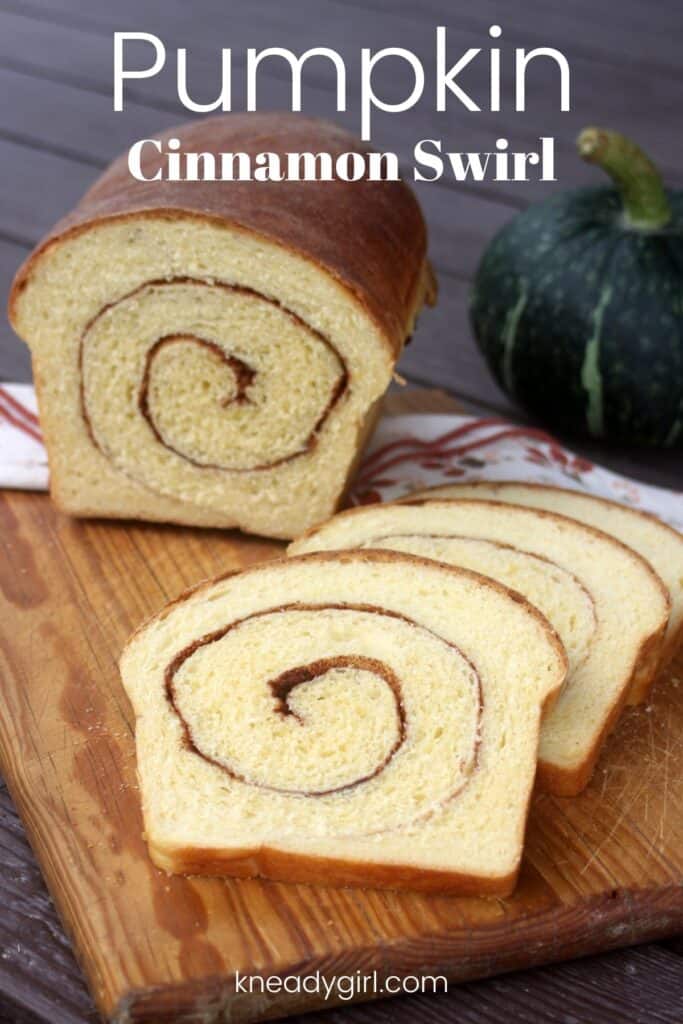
369,235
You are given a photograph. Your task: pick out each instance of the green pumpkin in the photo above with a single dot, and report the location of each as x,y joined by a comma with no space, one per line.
577,304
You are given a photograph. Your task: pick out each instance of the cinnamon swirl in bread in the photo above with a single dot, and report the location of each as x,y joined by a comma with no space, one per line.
658,543
213,353
607,604
342,718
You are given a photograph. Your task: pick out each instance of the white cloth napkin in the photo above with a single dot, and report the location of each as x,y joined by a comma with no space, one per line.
406,452
423,450
23,459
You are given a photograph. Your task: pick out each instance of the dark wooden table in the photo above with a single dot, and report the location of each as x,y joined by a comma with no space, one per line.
58,129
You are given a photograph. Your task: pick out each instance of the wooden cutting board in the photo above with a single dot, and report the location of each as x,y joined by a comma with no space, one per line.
601,870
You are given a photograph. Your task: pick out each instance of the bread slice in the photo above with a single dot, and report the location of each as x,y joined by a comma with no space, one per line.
214,353
342,718
657,542
607,604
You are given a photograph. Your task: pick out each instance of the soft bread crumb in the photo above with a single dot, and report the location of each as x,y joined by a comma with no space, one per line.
447,810
658,543
606,603
149,278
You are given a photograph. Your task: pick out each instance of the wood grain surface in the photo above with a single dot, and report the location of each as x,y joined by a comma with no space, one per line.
600,871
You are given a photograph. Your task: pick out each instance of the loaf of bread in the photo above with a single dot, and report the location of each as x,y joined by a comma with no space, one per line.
213,353
342,718
658,543
607,604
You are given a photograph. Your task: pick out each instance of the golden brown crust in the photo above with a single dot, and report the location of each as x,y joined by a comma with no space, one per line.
650,658
423,495
572,781
283,866
369,235
546,513
672,646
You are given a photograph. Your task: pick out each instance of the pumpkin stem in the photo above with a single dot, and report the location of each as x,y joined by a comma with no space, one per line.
645,202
